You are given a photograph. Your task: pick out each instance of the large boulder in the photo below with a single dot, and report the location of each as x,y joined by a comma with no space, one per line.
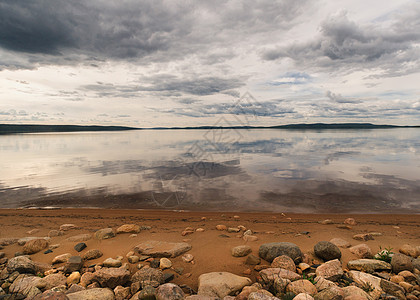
105,233
51,295
21,264
331,293
52,280
147,275
162,249
92,254
128,228
284,262
92,294
25,285
331,270
401,262
112,277
327,250
364,279
368,265
361,251
79,238
301,286
74,263
169,291
221,284
240,251
35,246
393,289
269,275
340,243
62,258
270,251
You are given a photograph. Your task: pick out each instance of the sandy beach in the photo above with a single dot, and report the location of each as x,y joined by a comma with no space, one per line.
211,248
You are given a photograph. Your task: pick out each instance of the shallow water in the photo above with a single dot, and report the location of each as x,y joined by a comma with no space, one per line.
357,171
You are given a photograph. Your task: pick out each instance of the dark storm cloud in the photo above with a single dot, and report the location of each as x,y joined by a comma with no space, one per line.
345,45
102,30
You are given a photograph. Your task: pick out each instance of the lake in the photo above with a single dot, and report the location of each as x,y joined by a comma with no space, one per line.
312,171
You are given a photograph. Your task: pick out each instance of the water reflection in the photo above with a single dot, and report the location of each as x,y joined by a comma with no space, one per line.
280,170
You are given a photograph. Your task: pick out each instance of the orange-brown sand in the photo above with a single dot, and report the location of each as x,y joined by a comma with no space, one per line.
211,252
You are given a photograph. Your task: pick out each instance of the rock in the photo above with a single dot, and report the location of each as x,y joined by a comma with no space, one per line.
252,260
80,246
165,263
121,292
92,294
327,250
416,263
326,222
284,262
270,251
55,233
280,284
392,289
368,265
169,291
401,262
92,254
51,281
8,241
187,258
361,251
363,237
25,285
128,228
221,227
331,270
24,240
146,275
233,230
61,258
162,249
350,221
105,233
74,263
148,293
79,238
35,246
354,293
269,275
321,283
21,264
365,279
200,230
112,263
340,243
409,250
75,288
407,286
133,259
248,232
66,227
221,284
241,251
250,238
167,277
408,276
303,296
330,293
112,277
86,279
301,286
74,278
51,295
347,227
260,295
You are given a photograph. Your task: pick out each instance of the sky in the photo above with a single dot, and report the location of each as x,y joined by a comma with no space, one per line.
191,63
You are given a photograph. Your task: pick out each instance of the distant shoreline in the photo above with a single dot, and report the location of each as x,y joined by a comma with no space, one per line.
32,128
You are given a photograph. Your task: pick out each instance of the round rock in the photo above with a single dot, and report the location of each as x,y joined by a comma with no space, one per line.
327,250
270,251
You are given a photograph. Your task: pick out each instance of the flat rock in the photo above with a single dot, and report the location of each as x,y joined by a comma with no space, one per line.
105,233
365,279
301,286
353,292
80,238
52,280
128,228
112,277
80,247
252,260
148,274
74,263
340,243
51,295
361,251
363,237
409,250
162,249
25,285
112,263
392,289
284,262
267,276
303,296
92,294
62,258
241,251
368,265
350,221
270,251
331,270
221,284
66,227
8,241
330,293
327,250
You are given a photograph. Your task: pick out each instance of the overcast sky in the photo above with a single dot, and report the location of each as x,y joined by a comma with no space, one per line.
182,63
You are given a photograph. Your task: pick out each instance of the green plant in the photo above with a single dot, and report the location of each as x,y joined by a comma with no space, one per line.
385,254
310,278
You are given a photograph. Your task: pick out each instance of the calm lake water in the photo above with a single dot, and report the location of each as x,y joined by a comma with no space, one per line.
357,171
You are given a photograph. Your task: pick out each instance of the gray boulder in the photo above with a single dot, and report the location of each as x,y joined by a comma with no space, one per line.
327,250
270,251
169,291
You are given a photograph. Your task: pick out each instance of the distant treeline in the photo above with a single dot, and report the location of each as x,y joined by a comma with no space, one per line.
8,128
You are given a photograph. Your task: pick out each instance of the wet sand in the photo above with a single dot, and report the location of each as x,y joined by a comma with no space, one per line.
211,251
